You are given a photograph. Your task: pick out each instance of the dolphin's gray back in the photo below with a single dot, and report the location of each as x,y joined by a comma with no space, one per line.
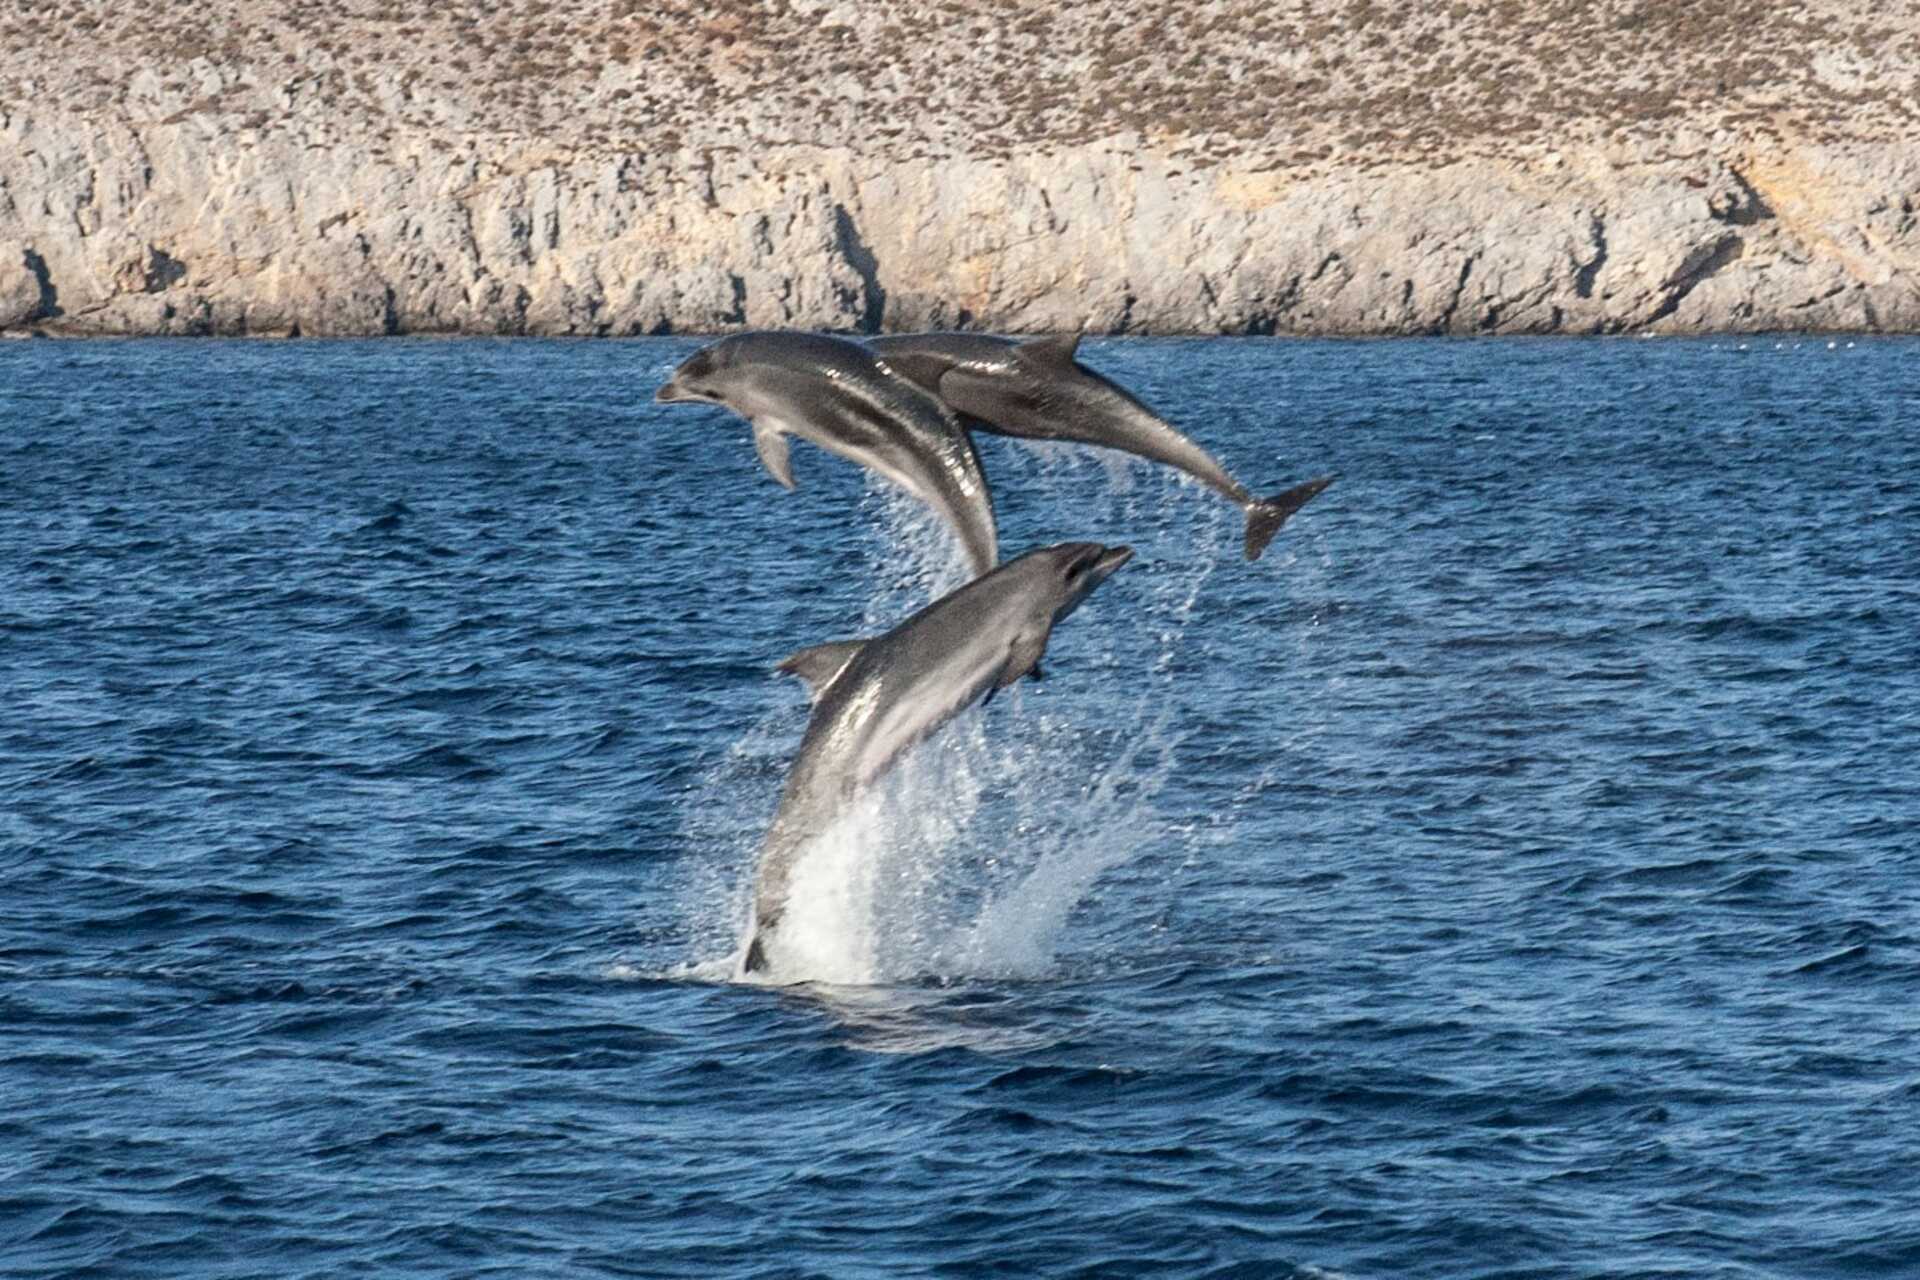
925,358
1036,391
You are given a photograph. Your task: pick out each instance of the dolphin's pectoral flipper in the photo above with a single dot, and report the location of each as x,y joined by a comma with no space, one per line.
1023,659
819,664
998,685
1023,656
1266,515
775,452
1055,349
756,954
998,681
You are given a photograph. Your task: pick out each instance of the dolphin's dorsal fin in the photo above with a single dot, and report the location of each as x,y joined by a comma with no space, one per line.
771,444
819,664
1054,349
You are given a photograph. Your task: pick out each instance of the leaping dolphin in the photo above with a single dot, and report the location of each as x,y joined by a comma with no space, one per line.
838,394
873,699
1036,390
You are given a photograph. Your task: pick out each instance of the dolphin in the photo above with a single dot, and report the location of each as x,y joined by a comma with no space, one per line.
874,699
838,394
1037,390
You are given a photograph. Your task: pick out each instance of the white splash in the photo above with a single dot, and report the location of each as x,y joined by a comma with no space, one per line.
917,559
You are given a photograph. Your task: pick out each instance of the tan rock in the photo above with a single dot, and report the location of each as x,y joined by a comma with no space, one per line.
216,167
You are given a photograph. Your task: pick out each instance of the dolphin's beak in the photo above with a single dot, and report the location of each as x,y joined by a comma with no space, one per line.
670,392
1110,559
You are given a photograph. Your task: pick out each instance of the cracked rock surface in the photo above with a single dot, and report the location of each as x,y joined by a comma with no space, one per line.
499,166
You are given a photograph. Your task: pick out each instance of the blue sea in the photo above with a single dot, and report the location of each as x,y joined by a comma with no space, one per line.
1513,874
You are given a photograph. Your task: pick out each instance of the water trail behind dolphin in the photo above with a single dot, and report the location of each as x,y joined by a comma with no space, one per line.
970,857
916,560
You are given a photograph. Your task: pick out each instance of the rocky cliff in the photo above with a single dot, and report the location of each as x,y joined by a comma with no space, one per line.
505,166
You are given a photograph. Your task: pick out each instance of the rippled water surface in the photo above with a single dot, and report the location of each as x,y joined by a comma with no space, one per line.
1512,874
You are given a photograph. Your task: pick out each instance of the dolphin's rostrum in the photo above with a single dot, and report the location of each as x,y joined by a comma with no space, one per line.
1036,390
873,699
838,394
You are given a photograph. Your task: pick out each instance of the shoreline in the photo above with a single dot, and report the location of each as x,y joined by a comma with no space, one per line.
62,337
57,338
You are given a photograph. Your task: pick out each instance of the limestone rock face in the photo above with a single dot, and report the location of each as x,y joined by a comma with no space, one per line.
341,168
172,228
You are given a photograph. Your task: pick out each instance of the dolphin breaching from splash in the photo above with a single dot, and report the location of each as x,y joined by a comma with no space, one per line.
904,407
874,699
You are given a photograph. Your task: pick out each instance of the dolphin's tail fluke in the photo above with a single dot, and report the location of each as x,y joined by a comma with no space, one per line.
1266,515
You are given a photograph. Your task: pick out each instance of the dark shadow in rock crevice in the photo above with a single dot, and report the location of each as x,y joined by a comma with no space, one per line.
1700,265
859,256
49,305
163,271
1583,278
1749,208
